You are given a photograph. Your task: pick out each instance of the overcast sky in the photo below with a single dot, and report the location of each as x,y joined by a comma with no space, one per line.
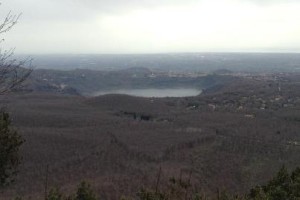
153,26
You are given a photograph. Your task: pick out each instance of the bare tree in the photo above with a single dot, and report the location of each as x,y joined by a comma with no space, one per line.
12,72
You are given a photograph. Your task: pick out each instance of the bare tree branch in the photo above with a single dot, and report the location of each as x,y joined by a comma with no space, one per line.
12,72
9,21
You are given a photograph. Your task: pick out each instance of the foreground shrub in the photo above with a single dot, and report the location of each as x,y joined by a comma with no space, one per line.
10,142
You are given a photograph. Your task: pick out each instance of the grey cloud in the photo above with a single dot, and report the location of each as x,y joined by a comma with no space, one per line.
73,10
76,25
271,2
47,10
125,5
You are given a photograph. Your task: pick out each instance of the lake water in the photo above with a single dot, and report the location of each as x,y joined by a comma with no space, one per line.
179,92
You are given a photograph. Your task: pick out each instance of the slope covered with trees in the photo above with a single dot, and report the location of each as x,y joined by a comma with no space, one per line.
235,138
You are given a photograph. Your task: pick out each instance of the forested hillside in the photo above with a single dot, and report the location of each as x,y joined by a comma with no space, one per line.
232,138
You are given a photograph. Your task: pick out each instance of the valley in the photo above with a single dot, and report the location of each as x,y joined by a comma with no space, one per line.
234,135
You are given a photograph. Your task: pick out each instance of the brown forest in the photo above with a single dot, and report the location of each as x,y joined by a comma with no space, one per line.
232,138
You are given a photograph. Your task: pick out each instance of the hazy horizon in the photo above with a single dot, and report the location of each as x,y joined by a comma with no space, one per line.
157,53
151,27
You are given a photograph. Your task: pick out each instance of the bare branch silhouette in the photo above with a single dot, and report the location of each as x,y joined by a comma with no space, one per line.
12,72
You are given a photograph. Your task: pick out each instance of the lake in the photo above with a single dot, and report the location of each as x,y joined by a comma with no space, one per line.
154,92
